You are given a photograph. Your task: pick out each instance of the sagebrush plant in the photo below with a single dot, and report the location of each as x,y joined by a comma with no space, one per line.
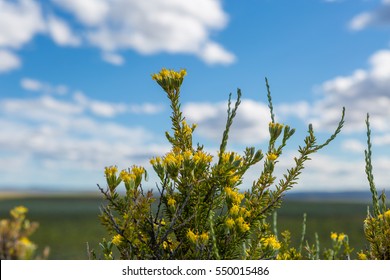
377,223
199,211
14,237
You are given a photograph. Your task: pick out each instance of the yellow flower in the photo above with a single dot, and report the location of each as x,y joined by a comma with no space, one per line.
171,202
234,210
362,256
204,237
192,236
25,241
19,211
165,245
341,237
387,214
229,222
137,170
272,157
126,176
117,240
169,79
110,171
272,242
333,236
155,161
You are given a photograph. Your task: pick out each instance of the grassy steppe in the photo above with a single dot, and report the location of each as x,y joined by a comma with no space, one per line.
67,223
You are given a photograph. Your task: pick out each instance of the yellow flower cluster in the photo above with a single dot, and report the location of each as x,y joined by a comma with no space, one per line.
203,238
110,171
117,240
271,242
176,158
171,202
386,215
127,176
169,79
19,212
237,213
272,156
337,237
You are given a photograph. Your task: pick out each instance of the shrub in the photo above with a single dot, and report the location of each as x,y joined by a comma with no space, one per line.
199,211
14,236
377,223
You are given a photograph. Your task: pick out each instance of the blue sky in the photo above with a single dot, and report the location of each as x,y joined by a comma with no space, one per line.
76,93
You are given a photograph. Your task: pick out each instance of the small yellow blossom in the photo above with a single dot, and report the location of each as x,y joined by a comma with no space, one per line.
25,241
234,209
272,242
192,236
362,256
333,236
272,157
204,237
165,245
110,171
341,237
171,202
387,214
229,223
117,240
19,211
137,170
126,176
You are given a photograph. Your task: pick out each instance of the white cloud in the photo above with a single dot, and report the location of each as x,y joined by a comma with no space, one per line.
377,17
361,21
20,21
249,127
353,145
152,26
8,61
61,32
364,91
113,58
43,135
43,87
213,53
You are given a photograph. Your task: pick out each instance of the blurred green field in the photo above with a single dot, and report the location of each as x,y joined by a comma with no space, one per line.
67,223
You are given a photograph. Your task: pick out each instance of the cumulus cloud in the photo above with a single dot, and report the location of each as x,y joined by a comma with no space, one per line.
42,87
20,21
147,27
8,61
377,17
152,26
46,134
364,91
61,33
249,127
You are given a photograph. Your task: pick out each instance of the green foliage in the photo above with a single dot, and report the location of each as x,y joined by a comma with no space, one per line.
377,223
14,236
201,214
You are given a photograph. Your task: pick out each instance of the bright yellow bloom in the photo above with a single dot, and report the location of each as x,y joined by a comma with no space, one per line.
171,202
110,171
192,236
204,237
229,223
341,237
137,170
19,211
169,79
387,214
272,242
272,157
165,245
333,236
117,240
126,176
155,161
362,256
25,241
202,157
234,210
